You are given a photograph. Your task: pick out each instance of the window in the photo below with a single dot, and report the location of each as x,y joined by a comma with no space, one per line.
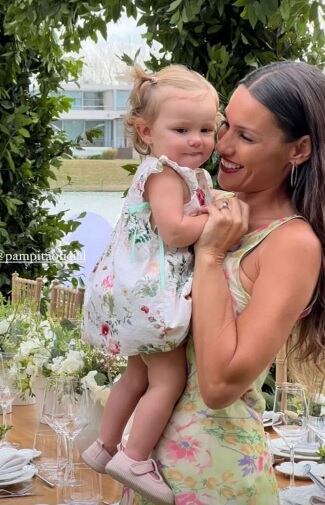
121,140
77,98
73,128
93,100
122,97
98,141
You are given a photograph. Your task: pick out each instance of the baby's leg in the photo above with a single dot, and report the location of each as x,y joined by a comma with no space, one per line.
167,378
122,401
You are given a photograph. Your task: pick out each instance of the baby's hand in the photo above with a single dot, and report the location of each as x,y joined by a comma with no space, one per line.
219,194
198,212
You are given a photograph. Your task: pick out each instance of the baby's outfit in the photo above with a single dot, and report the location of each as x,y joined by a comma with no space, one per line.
138,297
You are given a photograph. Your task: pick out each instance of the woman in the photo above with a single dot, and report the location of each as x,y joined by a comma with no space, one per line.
258,274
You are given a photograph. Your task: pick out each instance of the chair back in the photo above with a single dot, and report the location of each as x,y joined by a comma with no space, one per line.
65,302
281,366
26,291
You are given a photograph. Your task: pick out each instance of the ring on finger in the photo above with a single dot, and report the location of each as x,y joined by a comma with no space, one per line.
225,205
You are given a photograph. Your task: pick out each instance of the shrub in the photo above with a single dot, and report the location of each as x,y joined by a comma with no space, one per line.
109,154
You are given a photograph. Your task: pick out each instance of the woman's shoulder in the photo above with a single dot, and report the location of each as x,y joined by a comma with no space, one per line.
295,237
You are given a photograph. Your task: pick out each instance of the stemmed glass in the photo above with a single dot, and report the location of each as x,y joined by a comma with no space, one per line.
9,388
70,415
317,424
290,418
48,417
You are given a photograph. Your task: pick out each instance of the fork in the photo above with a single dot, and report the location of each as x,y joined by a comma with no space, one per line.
315,478
7,492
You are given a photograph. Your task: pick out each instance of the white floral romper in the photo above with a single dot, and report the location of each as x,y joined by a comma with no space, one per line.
138,297
218,457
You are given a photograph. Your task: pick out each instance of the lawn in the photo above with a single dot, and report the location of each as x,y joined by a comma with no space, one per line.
93,175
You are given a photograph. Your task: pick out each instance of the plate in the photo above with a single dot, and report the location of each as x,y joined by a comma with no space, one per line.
27,474
317,468
280,448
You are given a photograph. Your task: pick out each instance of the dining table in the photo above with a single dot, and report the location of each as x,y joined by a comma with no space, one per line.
25,420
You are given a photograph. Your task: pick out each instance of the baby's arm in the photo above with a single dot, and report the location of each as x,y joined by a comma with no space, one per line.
165,193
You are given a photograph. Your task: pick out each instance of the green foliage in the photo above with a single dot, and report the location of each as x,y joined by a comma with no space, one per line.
321,453
225,39
4,428
37,38
268,389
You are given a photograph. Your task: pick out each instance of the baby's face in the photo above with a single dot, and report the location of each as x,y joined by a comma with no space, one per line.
184,129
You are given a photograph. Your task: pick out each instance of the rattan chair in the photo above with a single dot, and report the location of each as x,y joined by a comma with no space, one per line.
26,292
66,302
281,366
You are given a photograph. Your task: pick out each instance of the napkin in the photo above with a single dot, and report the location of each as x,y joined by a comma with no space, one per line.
11,462
303,495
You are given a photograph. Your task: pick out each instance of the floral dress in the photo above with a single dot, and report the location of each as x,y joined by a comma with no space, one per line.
218,457
137,299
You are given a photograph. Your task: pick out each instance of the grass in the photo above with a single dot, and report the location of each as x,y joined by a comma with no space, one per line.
93,175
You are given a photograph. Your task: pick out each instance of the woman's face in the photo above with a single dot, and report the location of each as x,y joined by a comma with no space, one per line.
254,154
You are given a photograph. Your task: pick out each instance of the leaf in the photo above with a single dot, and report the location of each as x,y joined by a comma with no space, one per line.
175,18
244,39
24,132
173,6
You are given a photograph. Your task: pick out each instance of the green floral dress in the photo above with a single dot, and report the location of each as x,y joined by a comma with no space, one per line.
218,457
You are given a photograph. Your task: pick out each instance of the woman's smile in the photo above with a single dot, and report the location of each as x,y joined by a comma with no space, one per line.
229,166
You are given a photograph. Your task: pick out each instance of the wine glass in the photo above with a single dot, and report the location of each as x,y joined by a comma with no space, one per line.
48,417
290,418
317,425
9,388
70,415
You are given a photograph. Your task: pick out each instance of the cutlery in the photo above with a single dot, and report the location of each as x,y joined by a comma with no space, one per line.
18,495
43,479
315,478
25,490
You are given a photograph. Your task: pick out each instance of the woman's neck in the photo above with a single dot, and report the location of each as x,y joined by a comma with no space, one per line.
266,206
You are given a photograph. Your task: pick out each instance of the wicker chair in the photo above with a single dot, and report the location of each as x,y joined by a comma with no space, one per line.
65,302
281,366
26,291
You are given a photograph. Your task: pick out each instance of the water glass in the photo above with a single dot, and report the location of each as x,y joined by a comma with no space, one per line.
85,489
9,388
290,418
49,463
317,425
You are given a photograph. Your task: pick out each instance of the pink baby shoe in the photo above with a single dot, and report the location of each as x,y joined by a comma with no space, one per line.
142,476
96,456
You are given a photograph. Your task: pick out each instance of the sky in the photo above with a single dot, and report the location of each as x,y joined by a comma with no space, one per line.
102,65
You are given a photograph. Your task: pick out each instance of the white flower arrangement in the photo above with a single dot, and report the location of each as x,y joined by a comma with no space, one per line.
98,393
44,347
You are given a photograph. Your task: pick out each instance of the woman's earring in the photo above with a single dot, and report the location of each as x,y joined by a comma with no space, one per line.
293,175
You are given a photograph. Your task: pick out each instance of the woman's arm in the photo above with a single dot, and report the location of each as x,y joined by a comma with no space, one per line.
165,193
231,352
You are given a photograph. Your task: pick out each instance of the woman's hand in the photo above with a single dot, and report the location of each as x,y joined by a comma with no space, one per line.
227,223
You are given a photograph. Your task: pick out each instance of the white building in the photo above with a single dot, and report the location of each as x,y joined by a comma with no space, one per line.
100,106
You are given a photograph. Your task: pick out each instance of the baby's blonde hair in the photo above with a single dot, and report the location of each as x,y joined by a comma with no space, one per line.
144,98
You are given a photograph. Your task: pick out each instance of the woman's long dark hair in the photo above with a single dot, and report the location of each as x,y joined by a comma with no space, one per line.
295,93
